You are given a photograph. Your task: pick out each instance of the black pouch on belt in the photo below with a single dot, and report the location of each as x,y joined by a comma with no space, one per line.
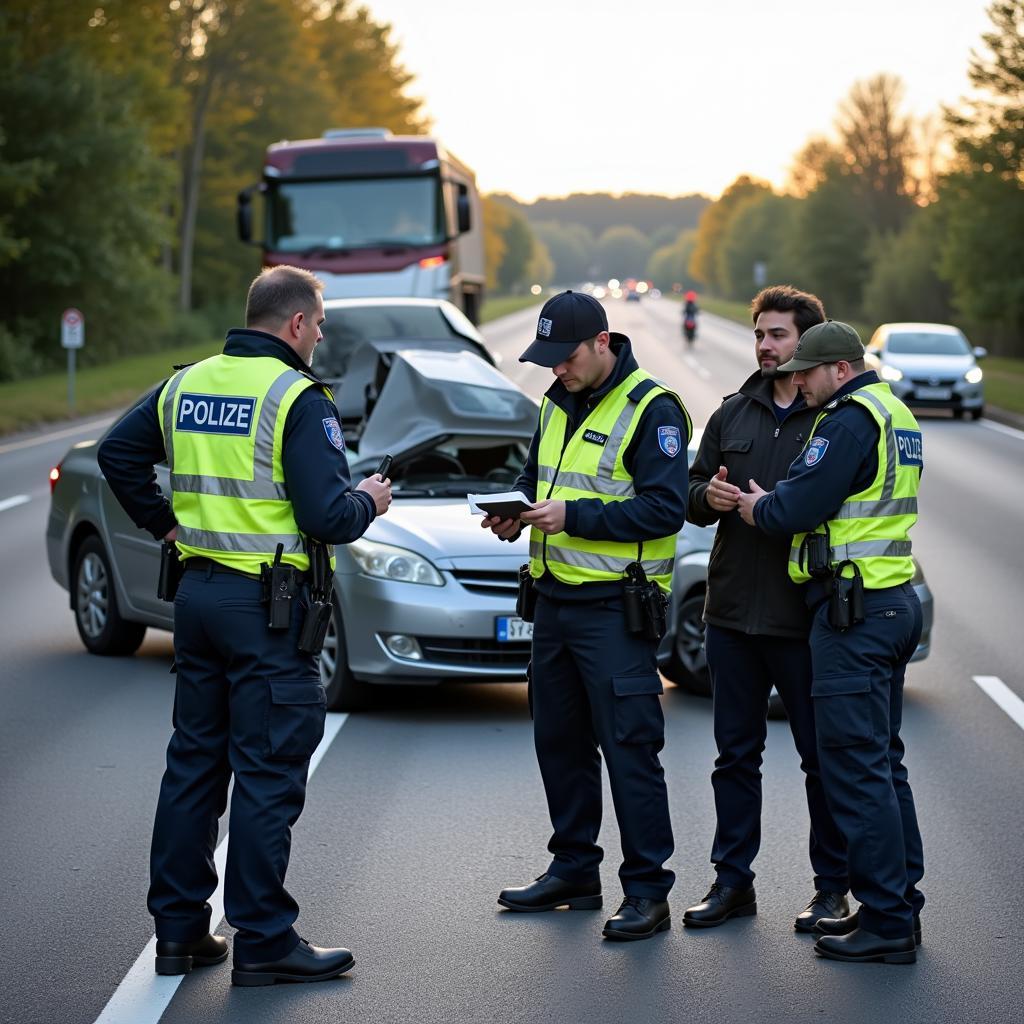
318,618
634,598
281,586
526,598
846,598
171,569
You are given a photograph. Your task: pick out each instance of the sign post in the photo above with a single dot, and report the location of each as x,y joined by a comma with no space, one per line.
72,338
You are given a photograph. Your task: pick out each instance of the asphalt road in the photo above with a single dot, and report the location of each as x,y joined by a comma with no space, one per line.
417,815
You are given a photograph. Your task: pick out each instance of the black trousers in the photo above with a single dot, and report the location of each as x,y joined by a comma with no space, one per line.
594,691
743,670
248,704
858,710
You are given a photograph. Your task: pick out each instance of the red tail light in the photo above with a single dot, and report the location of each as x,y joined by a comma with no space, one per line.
54,477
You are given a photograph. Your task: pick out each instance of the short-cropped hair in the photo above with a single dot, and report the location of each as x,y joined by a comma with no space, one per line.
807,309
278,293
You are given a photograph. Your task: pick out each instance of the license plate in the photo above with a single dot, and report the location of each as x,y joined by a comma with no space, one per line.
510,628
943,394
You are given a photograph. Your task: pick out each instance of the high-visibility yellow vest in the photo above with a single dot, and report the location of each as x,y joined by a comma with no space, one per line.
223,423
590,467
872,527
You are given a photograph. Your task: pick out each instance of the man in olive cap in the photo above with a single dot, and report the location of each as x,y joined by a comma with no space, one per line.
849,502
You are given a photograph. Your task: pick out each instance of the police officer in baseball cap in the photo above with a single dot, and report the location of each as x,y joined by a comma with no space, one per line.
607,479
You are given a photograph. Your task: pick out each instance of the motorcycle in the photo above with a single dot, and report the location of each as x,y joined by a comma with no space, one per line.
690,329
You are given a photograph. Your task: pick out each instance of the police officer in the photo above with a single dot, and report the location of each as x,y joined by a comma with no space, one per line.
757,620
849,503
606,475
256,459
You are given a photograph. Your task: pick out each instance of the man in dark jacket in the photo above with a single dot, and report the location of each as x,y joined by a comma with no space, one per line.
757,620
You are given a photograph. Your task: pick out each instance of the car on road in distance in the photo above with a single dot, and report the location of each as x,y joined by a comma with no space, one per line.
929,366
681,656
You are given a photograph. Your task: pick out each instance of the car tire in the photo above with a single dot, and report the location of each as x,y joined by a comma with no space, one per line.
958,414
976,414
687,665
344,691
100,624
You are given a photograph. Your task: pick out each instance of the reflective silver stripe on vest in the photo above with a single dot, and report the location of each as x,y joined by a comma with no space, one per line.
877,509
615,438
586,482
172,391
598,562
263,453
228,487
546,413
889,484
862,549
240,543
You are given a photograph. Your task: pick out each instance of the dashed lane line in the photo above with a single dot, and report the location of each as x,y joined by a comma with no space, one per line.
1003,696
144,995
18,499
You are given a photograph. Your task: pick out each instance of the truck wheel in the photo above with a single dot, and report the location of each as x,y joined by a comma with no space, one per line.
97,616
344,691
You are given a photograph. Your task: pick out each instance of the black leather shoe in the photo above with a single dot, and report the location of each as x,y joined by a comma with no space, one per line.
860,946
181,957
638,918
845,925
824,904
549,892
303,963
721,903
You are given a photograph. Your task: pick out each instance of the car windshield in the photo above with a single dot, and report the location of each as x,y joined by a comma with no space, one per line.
333,216
921,343
347,328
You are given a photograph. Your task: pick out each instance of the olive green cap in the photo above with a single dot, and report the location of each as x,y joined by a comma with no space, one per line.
825,343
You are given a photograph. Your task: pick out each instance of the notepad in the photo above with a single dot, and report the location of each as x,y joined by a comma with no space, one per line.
508,504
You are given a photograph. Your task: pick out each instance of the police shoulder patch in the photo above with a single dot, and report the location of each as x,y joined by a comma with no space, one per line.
668,441
333,430
816,449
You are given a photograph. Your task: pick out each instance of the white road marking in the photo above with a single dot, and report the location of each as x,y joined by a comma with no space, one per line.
144,995
694,364
1002,428
55,435
18,499
1003,696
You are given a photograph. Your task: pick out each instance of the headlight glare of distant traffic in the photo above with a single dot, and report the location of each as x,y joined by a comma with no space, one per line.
390,563
891,373
974,375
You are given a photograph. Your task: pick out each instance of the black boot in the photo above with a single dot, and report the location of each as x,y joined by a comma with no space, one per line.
823,905
548,892
638,918
721,903
181,957
860,946
303,963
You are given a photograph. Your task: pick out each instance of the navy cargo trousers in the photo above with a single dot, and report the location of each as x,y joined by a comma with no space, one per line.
594,691
247,704
858,711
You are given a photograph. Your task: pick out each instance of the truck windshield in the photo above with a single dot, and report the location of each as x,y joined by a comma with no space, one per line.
354,213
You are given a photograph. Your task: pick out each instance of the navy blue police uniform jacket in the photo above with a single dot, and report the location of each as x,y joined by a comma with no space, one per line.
315,467
659,479
814,490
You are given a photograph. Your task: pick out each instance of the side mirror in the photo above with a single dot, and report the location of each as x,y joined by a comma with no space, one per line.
465,220
979,352
244,214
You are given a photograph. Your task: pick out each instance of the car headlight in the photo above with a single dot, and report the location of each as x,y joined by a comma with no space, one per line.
891,373
390,563
974,375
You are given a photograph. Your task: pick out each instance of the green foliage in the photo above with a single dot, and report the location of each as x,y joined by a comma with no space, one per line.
512,272
571,247
669,265
622,252
757,233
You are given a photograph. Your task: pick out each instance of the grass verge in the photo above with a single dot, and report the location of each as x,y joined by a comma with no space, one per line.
502,305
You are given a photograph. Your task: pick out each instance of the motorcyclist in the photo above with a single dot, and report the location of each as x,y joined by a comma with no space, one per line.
690,315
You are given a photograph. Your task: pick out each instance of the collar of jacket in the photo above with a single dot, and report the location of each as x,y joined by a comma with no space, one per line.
625,364
862,380
762,390
248,343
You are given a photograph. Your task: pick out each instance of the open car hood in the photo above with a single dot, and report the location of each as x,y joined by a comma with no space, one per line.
425,395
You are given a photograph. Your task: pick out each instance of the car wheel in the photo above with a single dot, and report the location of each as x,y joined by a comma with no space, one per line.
97,616
958,414
976,414
344,691
688,666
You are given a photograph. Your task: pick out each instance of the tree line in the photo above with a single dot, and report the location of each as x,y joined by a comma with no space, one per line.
127,129
894,218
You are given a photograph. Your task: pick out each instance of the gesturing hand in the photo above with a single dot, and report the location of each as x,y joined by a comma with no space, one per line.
746,502
722,496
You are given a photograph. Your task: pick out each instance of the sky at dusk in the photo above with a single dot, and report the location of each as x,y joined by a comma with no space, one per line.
547,98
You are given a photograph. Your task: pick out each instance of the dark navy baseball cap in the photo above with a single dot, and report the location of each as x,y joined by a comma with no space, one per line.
565,321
